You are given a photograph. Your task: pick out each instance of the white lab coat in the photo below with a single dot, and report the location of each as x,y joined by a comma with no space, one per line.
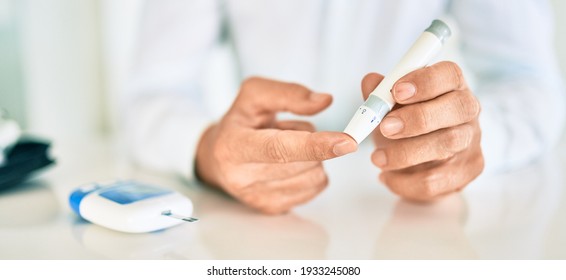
506,48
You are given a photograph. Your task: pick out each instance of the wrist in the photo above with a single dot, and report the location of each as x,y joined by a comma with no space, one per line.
204,170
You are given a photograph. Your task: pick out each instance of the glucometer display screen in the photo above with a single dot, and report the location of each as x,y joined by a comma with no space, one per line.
129,193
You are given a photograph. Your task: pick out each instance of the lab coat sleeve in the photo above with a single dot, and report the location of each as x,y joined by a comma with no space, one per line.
164,107
509,46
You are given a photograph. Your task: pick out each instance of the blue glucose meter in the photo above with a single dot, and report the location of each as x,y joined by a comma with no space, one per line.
130,206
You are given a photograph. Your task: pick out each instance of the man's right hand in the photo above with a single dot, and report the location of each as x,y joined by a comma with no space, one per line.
267,164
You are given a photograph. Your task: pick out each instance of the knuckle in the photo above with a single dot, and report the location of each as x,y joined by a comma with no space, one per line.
455,72
322,181
475,106
431,185
456,139
469,106
396,189
400,158
422,119
295,88
480,163
317,182
388,179
276,149
234,184
315,153
249,85
239,186
250,81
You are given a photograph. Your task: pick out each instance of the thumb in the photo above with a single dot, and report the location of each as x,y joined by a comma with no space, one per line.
369,83
259,96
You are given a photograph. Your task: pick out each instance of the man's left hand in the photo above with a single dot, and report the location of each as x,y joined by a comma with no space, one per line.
429,144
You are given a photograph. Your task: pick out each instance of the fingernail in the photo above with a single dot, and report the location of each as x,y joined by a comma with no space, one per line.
380,158
391,126
318,97
345,147
404,91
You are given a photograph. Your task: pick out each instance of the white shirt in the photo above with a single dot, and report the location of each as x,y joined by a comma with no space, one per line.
506,50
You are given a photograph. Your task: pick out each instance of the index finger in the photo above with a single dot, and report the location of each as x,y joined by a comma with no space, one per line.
259,96
282,146
428,83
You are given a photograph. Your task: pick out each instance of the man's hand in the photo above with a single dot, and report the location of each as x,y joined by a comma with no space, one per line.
429,144
267,164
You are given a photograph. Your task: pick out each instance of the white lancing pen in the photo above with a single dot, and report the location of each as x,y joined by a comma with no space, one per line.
380,101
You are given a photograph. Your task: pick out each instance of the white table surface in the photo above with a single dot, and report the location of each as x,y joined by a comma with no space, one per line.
516,215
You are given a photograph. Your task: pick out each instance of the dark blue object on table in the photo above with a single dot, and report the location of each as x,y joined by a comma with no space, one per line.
23,160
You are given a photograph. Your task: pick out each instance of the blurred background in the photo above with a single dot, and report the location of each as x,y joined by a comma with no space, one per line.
64,63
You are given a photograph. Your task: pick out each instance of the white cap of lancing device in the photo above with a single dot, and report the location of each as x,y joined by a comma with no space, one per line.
380,102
